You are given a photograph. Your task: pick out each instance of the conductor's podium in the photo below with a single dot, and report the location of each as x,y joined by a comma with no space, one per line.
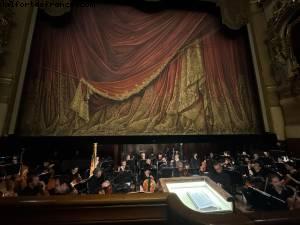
194,200
200,194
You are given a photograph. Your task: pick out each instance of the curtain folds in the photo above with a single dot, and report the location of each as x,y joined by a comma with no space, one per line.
133,51
118,71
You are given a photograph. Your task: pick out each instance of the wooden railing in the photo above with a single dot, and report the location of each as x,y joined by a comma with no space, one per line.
90,209
140,208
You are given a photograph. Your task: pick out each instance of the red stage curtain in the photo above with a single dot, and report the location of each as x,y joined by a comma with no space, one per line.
124,71
124,49
227,70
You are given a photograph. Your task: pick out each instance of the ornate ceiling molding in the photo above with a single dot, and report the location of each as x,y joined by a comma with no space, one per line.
235,14
286,69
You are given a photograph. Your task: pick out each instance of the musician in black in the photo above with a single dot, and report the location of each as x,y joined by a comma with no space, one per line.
267,159
259,170
13,168
228,163
159,159
142,161
248,170
169,153
148,165
278,189
195,164
95,182
220,177
123,166
130,163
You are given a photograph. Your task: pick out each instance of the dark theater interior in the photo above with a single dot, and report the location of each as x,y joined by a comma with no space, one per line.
150,112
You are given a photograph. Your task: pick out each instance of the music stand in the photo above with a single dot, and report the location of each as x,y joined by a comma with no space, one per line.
166,172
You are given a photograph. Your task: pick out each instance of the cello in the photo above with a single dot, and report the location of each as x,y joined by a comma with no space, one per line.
149,184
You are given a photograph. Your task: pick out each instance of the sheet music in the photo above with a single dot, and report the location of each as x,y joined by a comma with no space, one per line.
202,201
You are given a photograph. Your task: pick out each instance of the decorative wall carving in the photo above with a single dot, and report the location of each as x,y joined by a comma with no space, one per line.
235,14
286,14
6,17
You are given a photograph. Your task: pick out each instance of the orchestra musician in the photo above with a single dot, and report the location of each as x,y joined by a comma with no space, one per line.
62,187
177,160
159,159
128,157
195,164
34,187
220,177
278,189
143,155
148,164
95,182
255,157
228,163
123,166
130,162
203,167
283,185
268,159
169,153
142,161
259,170
75,177
249,171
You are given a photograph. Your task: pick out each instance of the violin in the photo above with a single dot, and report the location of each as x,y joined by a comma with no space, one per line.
76,180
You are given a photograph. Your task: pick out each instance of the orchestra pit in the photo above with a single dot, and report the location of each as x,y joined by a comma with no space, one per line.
150,112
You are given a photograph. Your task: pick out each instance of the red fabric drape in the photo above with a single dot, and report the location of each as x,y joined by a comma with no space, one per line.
132,60
228,79
124,49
